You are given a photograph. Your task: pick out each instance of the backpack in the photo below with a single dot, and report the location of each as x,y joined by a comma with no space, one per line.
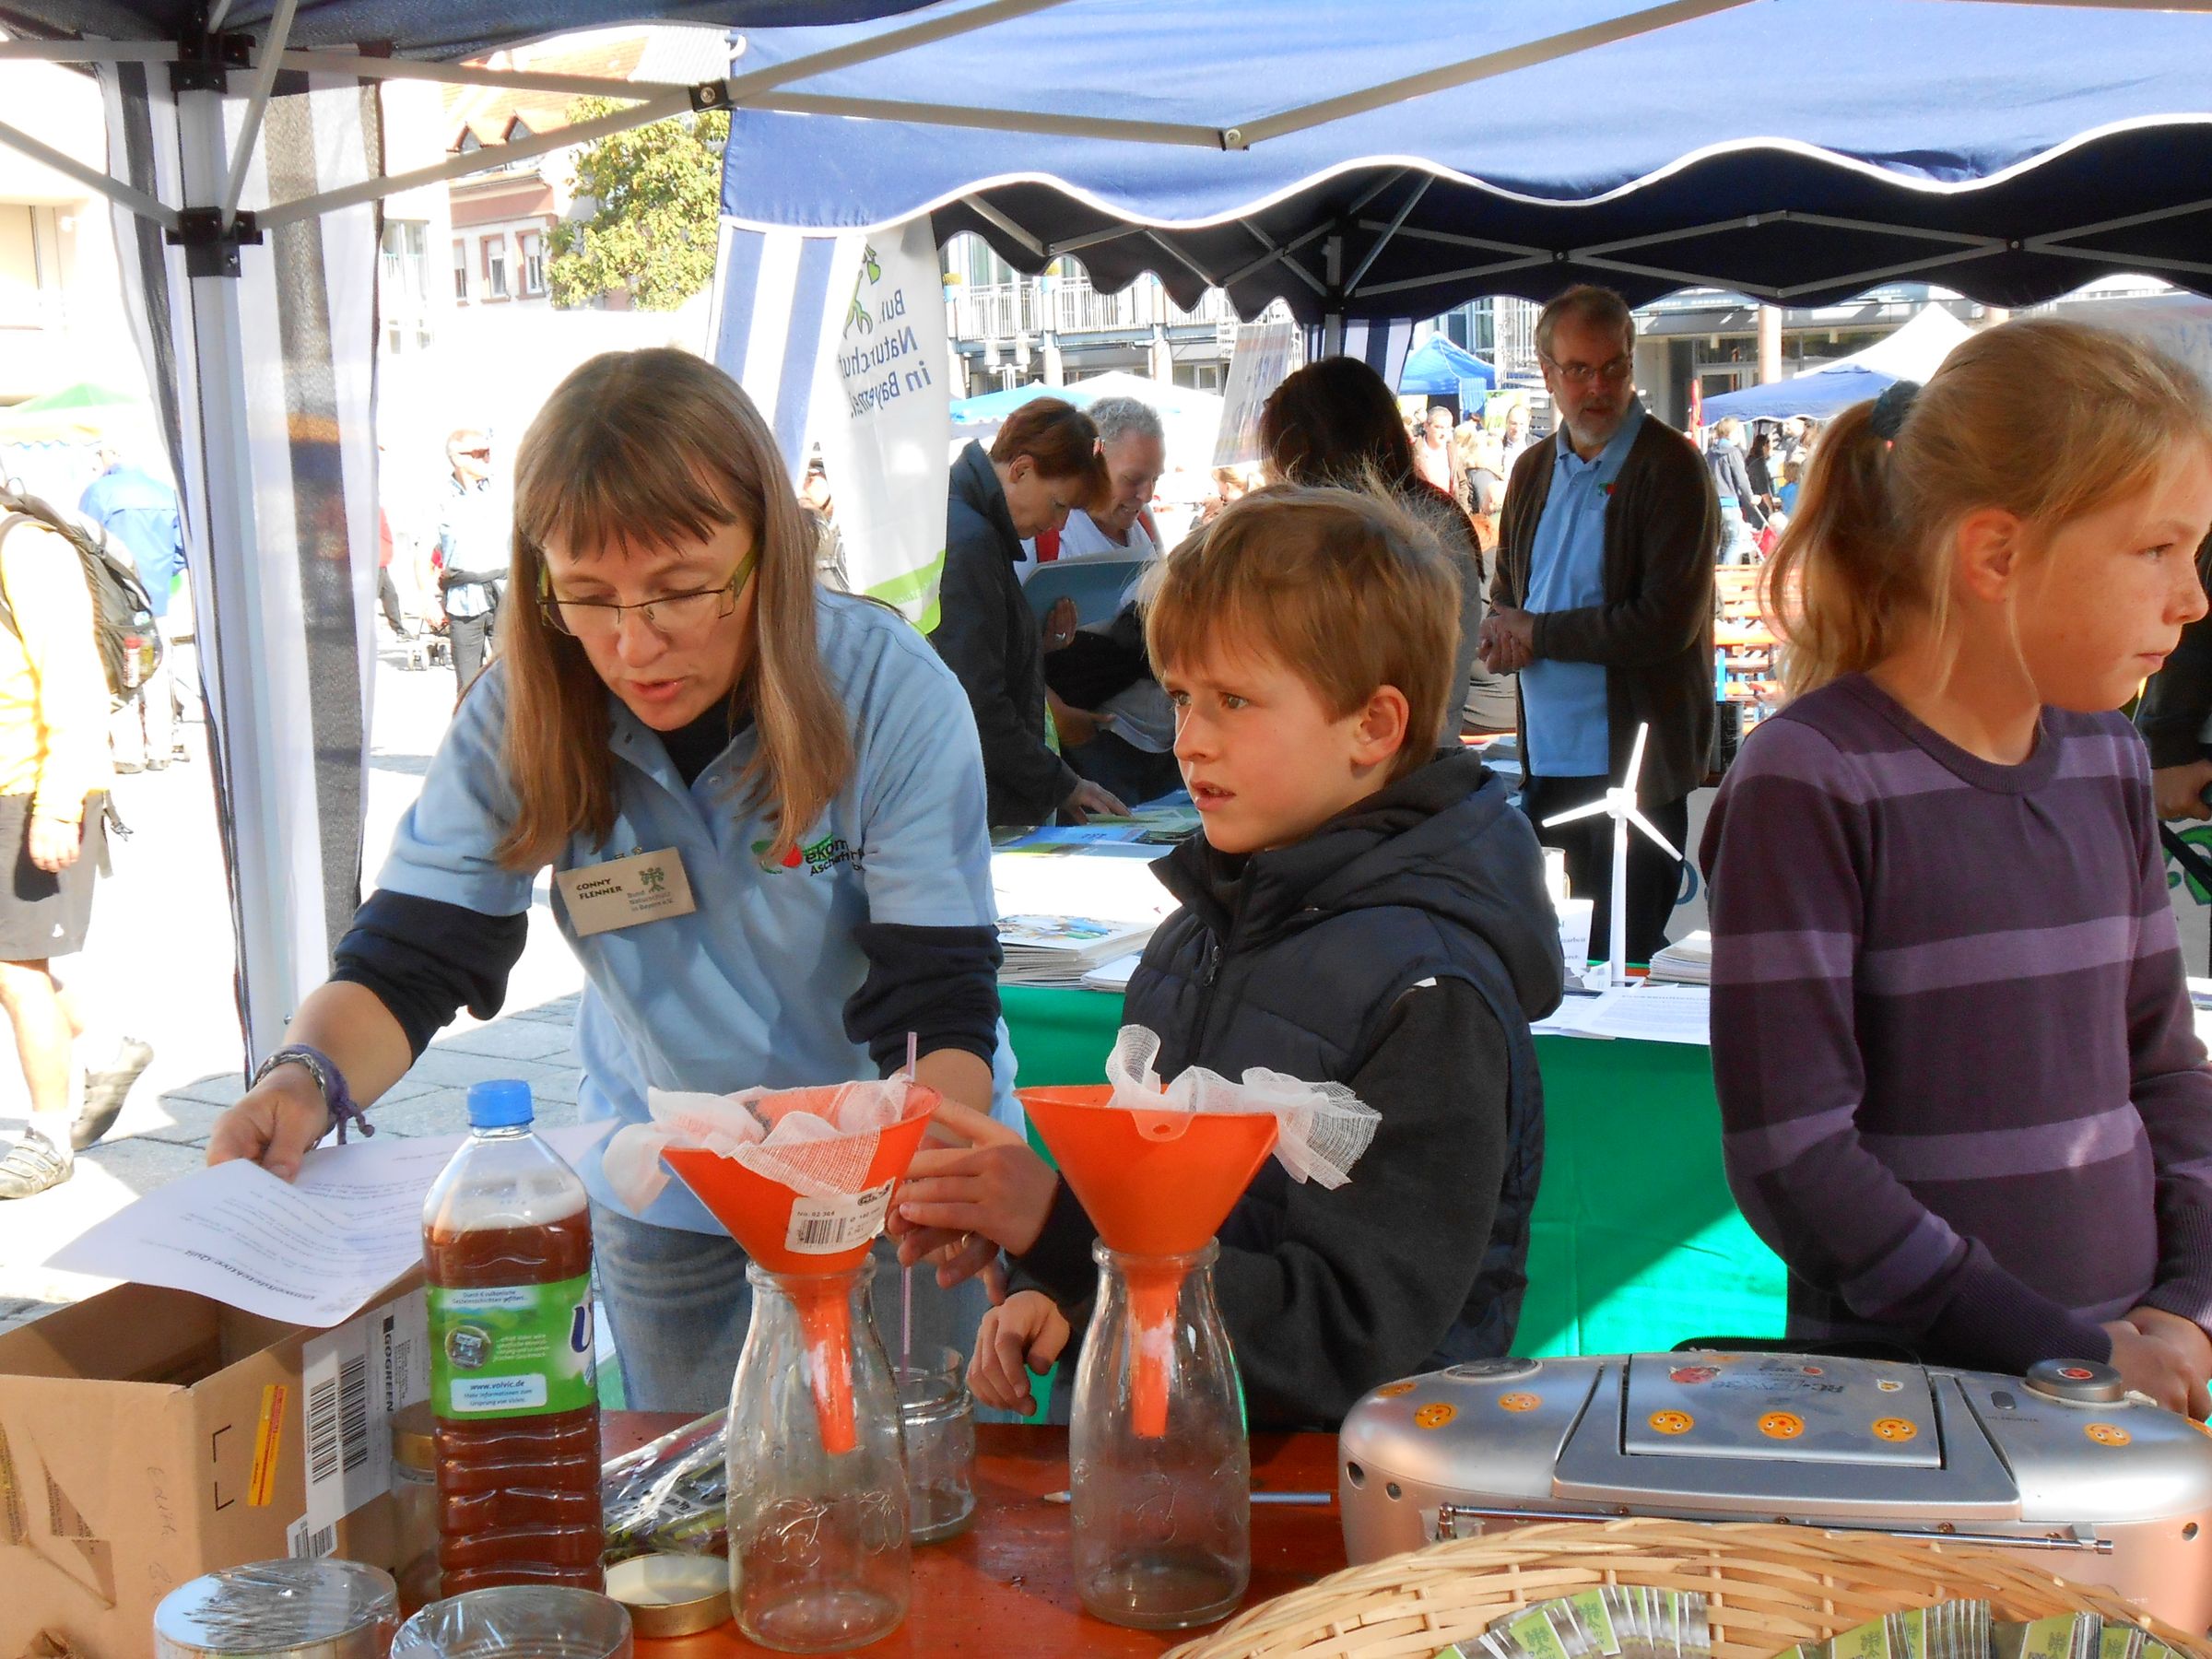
122,613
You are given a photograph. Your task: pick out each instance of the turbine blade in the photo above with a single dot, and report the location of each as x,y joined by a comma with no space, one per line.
1645,824
1635,775
1591,809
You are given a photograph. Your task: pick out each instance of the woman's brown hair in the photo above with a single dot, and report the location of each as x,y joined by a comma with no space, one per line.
2048,420
1062,443
638,451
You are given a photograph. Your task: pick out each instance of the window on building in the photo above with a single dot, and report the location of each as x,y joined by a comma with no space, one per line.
460,272
495,267
407,267
530,257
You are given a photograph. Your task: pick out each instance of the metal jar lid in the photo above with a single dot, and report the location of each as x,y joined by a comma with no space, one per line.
414,1436
671,1594
327,1609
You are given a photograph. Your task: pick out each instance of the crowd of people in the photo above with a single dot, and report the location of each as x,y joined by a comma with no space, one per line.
1961,1089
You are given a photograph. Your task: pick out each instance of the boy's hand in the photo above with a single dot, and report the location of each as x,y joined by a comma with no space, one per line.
55,842
2153,1366
1025,1333
974,1199
2187,1338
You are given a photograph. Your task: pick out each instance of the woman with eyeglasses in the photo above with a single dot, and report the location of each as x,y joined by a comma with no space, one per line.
676,699
1044,463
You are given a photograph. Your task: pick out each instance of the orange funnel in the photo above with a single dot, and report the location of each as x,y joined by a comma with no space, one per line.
1154,1184
757,1212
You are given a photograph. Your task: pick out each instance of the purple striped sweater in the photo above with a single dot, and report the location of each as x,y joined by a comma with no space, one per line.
1960,1086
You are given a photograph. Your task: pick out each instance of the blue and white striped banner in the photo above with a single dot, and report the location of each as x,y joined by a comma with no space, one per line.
774,323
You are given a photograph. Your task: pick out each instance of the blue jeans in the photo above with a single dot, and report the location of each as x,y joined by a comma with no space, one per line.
678,1305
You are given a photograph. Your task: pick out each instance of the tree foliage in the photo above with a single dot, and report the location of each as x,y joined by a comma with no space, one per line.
655,192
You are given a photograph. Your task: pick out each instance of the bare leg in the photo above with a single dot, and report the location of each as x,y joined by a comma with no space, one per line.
42,1041
73,1009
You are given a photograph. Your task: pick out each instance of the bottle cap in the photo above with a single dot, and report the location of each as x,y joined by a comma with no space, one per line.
498,1104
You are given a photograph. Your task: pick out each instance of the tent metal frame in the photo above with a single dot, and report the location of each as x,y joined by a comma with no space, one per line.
767,88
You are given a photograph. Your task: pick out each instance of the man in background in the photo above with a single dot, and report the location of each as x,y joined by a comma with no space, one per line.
474,544
139,513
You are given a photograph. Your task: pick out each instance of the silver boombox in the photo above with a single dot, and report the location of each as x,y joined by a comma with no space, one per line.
2098,1484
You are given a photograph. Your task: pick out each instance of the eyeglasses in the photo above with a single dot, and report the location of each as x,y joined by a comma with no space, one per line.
1582,374
668,616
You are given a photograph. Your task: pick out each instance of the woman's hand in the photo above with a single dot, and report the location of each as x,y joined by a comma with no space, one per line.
961,1202
275,1124
2156,1366
1060,624
1087,798
1025,1333
2190,1345
54,843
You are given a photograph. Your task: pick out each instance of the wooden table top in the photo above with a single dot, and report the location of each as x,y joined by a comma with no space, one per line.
1007,1585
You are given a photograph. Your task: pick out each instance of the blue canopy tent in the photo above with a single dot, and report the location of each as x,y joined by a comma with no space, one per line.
1819,395
1437,367
1794,150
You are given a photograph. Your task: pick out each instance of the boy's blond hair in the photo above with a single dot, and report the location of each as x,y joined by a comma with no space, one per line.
1348,591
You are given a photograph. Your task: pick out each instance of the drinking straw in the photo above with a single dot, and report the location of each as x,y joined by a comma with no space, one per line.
906,1275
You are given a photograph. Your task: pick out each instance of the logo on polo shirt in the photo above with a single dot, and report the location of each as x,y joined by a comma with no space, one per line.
817,857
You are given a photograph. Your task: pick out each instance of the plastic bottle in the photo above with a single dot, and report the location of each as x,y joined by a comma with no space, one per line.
507,1245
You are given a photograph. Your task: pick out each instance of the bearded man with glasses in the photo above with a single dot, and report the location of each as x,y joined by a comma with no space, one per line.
1602,604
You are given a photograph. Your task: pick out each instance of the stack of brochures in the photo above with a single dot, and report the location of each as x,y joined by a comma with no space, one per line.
1685,962
1060,950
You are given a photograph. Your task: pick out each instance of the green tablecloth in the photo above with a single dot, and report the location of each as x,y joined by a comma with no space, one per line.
1636,1242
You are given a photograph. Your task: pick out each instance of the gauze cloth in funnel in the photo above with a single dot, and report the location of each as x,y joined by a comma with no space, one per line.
1322,1127
818,1142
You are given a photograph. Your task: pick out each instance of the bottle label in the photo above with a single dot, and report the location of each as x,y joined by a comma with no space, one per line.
513,1350
825,1226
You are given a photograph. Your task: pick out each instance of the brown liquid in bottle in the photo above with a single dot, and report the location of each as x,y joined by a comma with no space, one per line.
518,1498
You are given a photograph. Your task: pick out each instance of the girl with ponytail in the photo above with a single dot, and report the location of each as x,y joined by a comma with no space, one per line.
1962,1089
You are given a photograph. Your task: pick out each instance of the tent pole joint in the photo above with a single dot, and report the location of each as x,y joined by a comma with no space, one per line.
210,246
709,95
206,58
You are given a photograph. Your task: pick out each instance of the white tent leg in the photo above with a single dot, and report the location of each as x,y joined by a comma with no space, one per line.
268,892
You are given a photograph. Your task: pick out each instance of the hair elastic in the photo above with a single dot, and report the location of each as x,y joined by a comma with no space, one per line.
1891,407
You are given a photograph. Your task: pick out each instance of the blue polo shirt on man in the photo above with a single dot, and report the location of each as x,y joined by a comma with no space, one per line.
749,989
1563,704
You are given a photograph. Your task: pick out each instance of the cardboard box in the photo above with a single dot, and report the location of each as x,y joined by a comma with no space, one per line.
148,1436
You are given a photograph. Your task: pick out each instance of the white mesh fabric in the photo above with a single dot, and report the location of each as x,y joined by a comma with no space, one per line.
818,1150
1321,1128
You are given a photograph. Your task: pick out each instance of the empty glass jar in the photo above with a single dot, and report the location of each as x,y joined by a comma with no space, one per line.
1162,1523
937,1421
820,1559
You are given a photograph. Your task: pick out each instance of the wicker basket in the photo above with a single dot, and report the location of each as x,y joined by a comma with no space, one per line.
1768,1588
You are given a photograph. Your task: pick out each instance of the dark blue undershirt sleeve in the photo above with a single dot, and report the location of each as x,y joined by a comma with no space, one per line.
939,982
427,960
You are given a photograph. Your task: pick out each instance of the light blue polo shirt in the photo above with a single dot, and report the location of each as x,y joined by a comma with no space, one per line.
751,988
1563,704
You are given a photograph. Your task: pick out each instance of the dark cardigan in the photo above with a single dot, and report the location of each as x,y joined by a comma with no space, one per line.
1653,633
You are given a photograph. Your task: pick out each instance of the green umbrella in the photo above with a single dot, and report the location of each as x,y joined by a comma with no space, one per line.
85,395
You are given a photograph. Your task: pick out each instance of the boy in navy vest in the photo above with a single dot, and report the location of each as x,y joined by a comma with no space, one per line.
1363,907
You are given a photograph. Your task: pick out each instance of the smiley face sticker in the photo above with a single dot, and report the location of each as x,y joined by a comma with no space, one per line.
1673,1423
1782,1425
2108,1434
1895,1430
1390,1391
1434,1415
1519,1402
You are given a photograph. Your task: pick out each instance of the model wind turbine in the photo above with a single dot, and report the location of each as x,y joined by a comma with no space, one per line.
1619,805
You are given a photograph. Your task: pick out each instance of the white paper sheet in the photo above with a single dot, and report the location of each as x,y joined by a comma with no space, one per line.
1640,1013
311,1253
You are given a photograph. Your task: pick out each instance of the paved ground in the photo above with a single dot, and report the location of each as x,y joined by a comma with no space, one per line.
159,963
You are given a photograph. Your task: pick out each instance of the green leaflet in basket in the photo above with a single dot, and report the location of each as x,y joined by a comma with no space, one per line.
1624,1621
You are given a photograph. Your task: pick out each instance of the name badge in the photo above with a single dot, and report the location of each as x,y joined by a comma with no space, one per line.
622,892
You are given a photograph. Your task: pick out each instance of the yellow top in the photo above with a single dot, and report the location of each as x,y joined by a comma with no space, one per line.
54,694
